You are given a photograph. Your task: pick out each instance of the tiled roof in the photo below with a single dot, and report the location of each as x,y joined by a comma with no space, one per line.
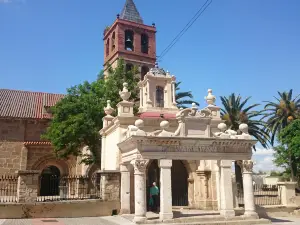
33,143
26,104
131,13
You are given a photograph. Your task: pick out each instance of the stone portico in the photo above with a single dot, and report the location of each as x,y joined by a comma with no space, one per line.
167,135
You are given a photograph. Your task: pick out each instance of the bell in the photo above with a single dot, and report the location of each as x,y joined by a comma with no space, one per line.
128,41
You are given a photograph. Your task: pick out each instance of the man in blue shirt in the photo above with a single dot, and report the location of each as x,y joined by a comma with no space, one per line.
154,197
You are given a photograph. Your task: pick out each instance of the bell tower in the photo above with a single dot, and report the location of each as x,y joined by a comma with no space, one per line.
130,39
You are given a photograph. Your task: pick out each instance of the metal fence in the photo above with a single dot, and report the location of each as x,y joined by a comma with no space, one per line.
8,188
263,195
55,188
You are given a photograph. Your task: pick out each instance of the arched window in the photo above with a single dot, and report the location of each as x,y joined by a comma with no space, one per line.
129,67
144,43
129,40
159,96
144,71
113,40
107,47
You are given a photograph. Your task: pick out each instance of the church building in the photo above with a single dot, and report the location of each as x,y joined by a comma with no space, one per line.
188,153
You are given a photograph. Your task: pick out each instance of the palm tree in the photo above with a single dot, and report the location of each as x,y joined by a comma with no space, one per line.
183,98
281,112
235,112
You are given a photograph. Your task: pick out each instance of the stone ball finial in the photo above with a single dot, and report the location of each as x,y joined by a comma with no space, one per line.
194,105
125,94
139,123
244,128
222,127
108,109
164,125
210,98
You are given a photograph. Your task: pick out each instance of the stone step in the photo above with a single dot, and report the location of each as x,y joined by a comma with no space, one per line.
226,222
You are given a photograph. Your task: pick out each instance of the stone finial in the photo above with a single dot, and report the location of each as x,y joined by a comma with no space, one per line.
222,127
139,123
194,106
125,94
108,109
244,128
164,125
210,98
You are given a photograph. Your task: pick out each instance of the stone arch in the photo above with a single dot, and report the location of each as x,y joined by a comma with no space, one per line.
153,174
49,160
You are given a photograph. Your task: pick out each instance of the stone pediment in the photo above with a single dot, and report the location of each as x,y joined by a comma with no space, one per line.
185,148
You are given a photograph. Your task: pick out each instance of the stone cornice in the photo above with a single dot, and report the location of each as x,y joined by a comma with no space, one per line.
188,147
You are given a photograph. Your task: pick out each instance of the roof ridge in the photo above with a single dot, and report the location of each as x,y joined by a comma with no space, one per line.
36,92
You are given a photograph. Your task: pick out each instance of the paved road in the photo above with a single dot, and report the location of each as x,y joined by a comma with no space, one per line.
116,220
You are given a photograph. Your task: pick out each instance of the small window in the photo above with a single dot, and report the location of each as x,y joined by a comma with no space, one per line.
129,67
113,40
144,71
129,45
159,96
144,43
107,47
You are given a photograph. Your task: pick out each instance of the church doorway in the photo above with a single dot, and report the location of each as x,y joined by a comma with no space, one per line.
179,178
49,181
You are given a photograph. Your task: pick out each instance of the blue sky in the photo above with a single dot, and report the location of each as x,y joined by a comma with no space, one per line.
247,47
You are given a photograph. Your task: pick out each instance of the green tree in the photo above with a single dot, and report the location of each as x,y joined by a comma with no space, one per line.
235,111
183,98
77,118
280,113
288,152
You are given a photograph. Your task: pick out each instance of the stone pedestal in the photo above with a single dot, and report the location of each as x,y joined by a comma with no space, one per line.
287,193
226,190
165,189
110,185
27,189
247,167
125,189
140,190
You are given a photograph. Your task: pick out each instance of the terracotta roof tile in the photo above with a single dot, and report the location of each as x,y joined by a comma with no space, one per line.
26,104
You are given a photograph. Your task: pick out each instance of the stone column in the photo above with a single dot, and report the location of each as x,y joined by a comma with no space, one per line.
287,193
226,189
247,169
125,189
140,189
165,189
28,183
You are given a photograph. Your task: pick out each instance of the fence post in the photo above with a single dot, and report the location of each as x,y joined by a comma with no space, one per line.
27,185
287,193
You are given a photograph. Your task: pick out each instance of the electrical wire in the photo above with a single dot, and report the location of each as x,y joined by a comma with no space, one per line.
185,29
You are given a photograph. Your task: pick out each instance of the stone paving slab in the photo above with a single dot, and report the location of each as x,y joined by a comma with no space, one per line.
115,220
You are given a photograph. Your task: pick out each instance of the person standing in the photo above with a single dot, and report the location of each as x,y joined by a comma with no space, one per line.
154,197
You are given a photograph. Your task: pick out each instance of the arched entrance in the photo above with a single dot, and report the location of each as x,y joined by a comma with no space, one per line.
49,181
179,181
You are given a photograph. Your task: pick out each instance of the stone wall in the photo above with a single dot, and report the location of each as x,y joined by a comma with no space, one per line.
89,208
10,154
110,186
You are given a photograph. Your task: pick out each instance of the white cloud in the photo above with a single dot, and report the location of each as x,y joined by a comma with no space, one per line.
263,159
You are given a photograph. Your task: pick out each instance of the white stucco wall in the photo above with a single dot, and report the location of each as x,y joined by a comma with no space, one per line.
111,150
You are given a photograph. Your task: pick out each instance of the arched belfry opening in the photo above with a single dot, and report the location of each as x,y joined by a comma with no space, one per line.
129,40
179,177
144,43
49,181
160,97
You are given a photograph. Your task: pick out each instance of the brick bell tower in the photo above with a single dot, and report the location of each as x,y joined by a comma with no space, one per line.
130,39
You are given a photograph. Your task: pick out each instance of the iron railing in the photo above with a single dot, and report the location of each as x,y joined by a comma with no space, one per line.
263,195
8,188
55,188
